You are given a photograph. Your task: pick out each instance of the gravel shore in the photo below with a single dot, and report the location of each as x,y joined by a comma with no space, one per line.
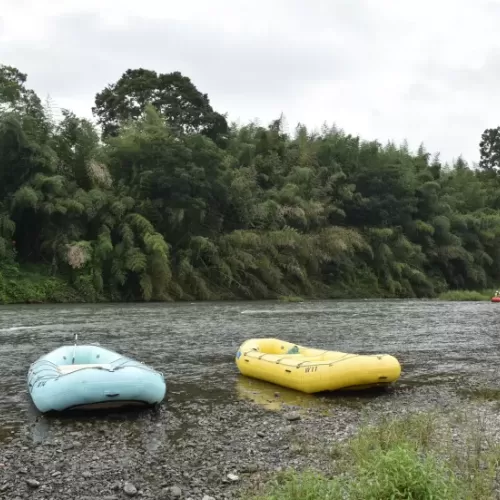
194,449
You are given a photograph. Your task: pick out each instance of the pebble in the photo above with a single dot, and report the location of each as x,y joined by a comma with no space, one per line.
174,492
250,468
129,489
33,483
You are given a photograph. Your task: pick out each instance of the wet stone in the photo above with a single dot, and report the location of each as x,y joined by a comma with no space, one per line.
250,468
174,492
130,489
33,483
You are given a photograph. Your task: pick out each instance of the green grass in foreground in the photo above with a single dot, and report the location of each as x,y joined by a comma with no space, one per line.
467,295
415,458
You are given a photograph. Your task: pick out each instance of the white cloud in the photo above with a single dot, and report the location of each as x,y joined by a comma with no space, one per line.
425,71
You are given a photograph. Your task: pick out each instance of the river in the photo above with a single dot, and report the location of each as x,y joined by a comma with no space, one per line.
217,432
194,343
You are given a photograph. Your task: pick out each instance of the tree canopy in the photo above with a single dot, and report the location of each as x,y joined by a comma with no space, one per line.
171,203
183,107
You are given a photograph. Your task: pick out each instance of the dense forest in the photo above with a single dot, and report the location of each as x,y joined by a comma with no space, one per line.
164,199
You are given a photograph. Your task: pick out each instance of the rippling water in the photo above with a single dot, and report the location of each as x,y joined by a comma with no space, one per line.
194,343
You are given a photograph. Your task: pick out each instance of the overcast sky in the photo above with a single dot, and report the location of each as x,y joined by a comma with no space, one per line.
385,69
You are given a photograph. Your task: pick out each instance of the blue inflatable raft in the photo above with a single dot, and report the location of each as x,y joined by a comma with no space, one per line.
91,377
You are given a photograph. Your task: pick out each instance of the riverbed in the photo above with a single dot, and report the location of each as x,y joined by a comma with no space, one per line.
217,432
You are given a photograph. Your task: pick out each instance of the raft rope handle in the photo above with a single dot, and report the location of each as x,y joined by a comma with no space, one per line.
326,363
43,361
278,361
265,354
54,368
302,362
347,356
101,368
124,360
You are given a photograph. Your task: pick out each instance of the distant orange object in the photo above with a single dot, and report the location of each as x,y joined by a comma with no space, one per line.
495,299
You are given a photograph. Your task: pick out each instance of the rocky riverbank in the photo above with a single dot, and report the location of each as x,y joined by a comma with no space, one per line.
196,450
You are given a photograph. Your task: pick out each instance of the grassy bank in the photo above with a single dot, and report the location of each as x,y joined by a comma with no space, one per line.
467,295
424,456
34,284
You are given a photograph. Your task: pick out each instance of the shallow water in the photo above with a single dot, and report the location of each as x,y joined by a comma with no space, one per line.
194,343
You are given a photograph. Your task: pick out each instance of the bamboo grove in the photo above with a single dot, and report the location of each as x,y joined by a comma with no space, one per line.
164,200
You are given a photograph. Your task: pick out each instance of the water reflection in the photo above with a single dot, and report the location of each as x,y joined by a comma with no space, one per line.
275,398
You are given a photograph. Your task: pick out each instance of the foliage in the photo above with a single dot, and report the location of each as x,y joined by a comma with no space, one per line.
34,286
173,95
490,148
171,203
466,295
409,458
287,298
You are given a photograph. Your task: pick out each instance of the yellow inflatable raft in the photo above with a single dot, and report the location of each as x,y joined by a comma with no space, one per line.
314,370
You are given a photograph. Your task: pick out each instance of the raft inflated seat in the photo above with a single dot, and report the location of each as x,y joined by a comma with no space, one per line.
73,368
314,370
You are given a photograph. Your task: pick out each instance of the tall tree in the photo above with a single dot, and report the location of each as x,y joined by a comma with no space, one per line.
489,148
173,95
